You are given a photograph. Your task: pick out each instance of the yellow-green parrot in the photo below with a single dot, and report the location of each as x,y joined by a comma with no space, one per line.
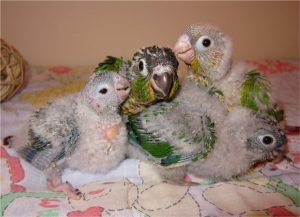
152,74
208,53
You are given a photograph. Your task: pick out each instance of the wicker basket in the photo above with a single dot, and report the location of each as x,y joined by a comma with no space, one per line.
12,71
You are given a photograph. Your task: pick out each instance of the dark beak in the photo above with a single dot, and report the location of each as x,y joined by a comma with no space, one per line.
162,83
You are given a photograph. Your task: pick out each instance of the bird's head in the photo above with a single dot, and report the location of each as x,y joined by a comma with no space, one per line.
156,69
106,91
206,49
267,142
246,138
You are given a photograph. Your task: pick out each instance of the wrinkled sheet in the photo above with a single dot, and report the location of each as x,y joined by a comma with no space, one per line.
133,188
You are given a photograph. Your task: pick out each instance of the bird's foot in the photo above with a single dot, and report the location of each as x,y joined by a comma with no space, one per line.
66,188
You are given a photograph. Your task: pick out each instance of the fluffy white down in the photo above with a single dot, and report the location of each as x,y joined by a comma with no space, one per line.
94,153
185,116
230,155
54,115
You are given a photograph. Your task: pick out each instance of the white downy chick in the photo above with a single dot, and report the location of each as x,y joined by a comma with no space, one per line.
208,53
244,138
195,133
84,132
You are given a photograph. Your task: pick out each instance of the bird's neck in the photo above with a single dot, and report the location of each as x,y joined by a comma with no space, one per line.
132,106
198,74
141,95
199,78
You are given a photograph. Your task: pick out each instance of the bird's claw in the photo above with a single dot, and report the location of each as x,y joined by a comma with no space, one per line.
66,188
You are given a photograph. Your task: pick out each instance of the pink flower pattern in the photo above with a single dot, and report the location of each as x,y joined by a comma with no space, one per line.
274,66
91,212
60,70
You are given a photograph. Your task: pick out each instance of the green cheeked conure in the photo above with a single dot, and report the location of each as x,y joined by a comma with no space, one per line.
208,53
152,74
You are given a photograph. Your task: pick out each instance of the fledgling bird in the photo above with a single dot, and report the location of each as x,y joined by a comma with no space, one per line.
245,139
152,74
195,133
208,53
83,131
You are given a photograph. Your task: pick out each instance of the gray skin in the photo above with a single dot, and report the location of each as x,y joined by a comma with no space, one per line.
83,131
241,135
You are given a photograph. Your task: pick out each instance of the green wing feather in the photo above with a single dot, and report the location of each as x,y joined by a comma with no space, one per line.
162,152
146,140
277,114
111,64
255,91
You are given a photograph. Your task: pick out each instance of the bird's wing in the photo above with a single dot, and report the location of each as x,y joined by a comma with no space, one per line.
42,153
165,140
53,133
255,94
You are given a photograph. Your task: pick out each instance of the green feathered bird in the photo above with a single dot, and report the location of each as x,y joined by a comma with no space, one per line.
196,134
179,135
152,74
208,53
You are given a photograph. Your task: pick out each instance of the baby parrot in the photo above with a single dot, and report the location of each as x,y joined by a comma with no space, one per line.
83,131
208,53
152,74
245,139
195,133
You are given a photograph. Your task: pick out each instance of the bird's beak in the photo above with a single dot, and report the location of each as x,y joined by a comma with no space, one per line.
162,82
122,87
281,149
184,49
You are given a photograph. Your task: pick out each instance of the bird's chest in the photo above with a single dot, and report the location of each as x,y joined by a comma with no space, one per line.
231,90
98,145
99,134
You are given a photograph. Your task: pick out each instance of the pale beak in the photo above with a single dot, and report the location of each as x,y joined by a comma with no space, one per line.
122,88
184,49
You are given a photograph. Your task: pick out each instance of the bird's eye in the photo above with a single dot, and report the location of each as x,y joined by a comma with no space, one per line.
141,65
103,91
203,43
267,139
206,42
142,68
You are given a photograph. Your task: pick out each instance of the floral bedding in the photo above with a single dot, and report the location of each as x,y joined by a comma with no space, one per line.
133,188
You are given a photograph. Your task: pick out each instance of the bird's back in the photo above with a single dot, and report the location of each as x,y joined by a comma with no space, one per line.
52,133
186,124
